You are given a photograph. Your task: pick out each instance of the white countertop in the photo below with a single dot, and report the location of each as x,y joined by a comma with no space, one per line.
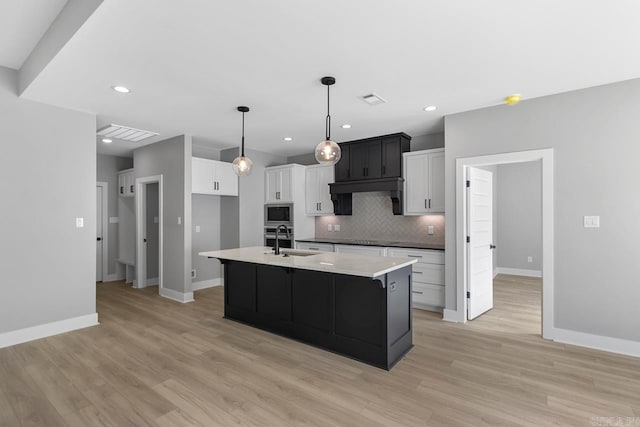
330,262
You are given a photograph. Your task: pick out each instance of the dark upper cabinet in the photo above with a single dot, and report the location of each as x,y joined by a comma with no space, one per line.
372,158
342,168
392,157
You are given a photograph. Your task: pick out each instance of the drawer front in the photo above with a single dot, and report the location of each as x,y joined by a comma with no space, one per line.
361,250
428,273
422,255
432,295
322,247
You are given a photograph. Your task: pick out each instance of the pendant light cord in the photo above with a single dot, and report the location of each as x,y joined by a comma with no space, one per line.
242,154
328,121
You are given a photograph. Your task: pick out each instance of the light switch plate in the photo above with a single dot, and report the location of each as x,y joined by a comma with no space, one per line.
197,228
330,227
155,219
430,229
336,227
79,222
179,220
114,220
591,222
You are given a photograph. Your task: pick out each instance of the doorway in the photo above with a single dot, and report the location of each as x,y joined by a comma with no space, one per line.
473,284
149,233
102,232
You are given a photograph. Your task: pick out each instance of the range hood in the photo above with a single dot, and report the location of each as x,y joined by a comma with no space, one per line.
341,193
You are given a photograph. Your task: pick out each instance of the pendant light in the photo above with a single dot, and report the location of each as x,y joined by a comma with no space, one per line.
242,165
328,152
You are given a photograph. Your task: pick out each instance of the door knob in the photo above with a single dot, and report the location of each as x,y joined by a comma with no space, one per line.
99,238
492,246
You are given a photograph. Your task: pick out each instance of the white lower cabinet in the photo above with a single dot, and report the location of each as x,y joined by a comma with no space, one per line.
361,250
428,276
320,247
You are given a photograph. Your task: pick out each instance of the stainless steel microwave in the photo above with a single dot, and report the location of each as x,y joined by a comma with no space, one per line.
278,214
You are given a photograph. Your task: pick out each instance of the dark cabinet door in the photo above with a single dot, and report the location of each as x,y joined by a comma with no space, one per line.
358,154
312,299
374,159
391,157
343,166
273,292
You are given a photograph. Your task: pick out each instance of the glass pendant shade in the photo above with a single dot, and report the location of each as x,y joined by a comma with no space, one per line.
328,152
242,166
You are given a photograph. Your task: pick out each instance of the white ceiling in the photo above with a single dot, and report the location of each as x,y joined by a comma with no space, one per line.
22,24
190,63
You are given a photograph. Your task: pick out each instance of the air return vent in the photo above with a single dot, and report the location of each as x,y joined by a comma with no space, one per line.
373,99
125,133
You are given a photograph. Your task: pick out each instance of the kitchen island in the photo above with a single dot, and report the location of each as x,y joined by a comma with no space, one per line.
355,305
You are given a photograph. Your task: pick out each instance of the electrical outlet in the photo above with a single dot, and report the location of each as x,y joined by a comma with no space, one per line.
79,222
529,259
430,229
330,227
336,227
591,222
193,273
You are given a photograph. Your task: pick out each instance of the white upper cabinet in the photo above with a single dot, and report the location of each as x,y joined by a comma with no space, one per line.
317,196
278,184
126,183
213,177
423,182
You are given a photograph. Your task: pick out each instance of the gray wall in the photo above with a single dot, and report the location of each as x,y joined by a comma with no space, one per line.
594,133
427,142
250,202
230,210
519,214
153,231
303,159
172,159
108,167
206,214
48,178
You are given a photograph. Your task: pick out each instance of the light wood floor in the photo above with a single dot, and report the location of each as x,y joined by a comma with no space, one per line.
156,362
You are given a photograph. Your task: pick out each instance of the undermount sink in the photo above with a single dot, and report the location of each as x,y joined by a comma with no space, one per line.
296,253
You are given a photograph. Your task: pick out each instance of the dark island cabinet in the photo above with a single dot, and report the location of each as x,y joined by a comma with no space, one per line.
360,317
372,158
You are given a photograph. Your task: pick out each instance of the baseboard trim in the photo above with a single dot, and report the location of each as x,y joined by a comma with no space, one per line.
519,272
46,330
597,342
154,281
111,278
177,296
204,284
452,316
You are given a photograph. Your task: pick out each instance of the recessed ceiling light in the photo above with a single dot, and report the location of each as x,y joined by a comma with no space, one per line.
288,138
107,140
430,108
121,89
346,126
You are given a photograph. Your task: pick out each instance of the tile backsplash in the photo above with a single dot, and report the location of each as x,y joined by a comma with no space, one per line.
373,219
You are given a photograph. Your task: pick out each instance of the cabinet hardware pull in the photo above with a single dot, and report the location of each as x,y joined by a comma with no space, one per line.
121,190
383,169
415,256
131,188
425,203
417,292
320,204
429,203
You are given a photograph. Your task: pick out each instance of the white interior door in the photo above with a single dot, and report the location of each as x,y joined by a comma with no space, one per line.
99,236
480,244
141,263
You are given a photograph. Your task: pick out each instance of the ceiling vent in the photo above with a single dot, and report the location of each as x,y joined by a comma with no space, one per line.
373,99
125,133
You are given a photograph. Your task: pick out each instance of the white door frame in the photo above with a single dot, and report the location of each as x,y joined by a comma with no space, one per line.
546,158
141,266
105,228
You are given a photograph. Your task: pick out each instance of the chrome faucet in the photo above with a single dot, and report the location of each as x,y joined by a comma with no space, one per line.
277,246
